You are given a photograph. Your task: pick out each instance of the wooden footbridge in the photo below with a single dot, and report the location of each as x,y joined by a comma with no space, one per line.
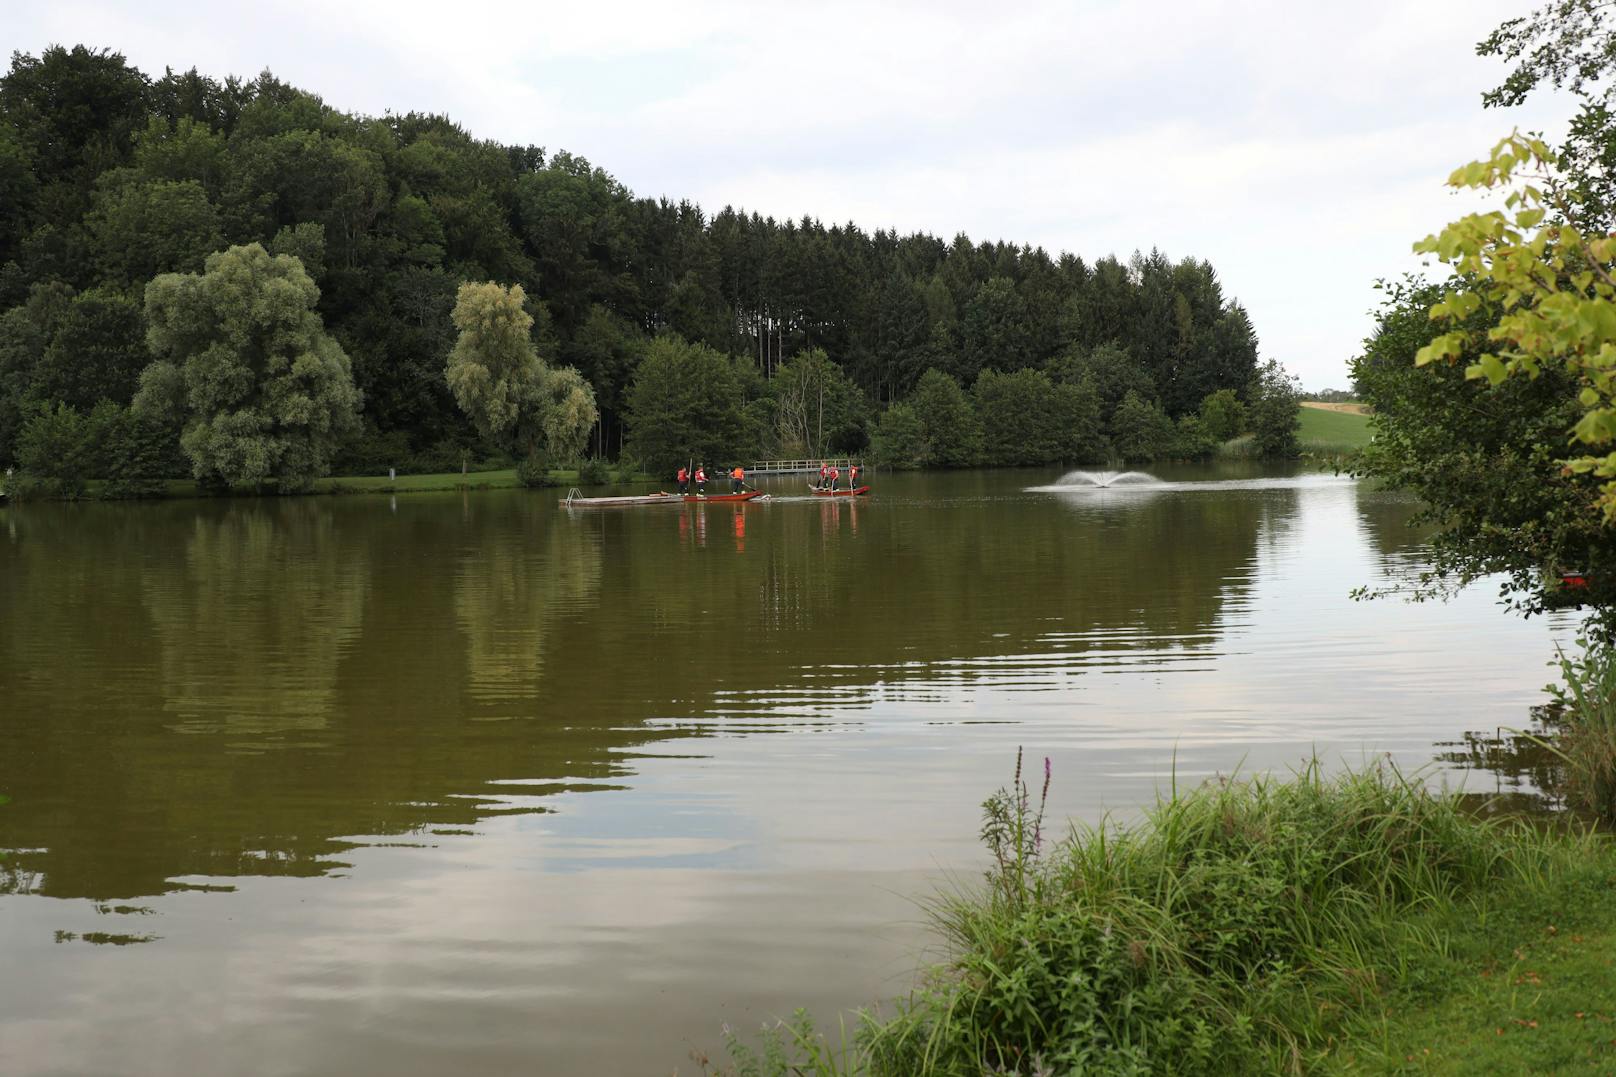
799,467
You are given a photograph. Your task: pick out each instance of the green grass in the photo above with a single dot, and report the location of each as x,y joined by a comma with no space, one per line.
1332,432
1314,924
1524,987
504,479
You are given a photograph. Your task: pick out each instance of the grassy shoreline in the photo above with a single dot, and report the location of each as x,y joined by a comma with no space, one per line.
1358,924
442,482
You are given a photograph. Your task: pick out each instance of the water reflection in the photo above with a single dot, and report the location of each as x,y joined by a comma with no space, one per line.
511,584
252,620
274,682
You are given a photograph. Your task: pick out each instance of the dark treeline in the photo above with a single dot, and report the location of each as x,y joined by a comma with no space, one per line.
109,178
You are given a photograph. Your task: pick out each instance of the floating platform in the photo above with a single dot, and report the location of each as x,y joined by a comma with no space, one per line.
574,500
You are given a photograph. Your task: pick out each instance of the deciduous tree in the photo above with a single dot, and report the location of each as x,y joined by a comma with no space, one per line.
686,405
1273,410
244,367
899,442
948,420
499,381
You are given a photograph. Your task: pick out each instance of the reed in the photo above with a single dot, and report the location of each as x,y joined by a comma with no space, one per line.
1585,716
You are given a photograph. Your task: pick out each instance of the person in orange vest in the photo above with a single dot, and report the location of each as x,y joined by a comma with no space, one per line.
737,478
824,475
835,475
852,476
701,479
684,480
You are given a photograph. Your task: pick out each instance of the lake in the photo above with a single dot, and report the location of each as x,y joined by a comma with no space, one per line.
473,783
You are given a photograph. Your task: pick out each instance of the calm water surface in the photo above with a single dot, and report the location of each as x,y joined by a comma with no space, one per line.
470,783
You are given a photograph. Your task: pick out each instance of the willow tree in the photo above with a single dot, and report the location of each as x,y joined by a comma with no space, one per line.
245,370
499,381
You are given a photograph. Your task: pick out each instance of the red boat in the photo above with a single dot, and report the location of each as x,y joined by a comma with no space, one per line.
860,492
747,496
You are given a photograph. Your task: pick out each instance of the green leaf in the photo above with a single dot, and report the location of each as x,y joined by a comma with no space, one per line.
1589,429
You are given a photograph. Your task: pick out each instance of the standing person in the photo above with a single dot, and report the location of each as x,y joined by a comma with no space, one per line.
701,479
737,479
852,476
835,474
684,480
824,474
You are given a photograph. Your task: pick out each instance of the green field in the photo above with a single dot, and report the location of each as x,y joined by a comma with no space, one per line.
1333,431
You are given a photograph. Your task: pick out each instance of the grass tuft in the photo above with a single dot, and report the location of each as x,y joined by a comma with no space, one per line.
1585,741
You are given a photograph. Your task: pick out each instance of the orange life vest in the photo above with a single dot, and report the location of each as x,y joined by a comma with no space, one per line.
738,473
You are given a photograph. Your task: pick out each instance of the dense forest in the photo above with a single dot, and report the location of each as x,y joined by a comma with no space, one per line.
804,337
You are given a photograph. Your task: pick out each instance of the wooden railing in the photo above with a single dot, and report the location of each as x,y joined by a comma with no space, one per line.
797,467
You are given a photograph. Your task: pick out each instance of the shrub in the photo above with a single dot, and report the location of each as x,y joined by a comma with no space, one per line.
594,472
534,470
57,448
1194,441
1223,415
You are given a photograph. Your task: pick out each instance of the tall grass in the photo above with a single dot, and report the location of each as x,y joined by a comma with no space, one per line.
1236,929
1586,735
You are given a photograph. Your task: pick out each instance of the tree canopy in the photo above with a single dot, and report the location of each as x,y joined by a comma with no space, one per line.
110,178
686,406
1509,432
246,370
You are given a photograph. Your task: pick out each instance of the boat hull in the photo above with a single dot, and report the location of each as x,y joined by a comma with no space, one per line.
857,492
747,496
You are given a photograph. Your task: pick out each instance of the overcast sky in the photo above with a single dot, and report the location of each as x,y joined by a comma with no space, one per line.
1298,146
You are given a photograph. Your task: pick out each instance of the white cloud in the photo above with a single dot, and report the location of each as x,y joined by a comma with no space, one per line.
1300,148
